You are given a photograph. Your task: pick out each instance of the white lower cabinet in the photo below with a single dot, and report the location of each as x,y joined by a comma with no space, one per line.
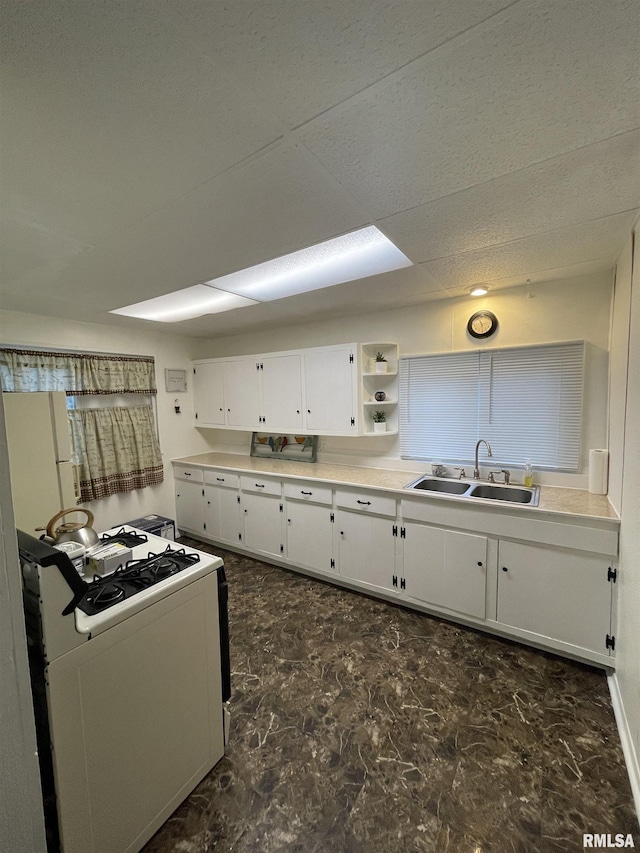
366,549
262,516
190,506
222,514
310,535
556,594
445,568
557,597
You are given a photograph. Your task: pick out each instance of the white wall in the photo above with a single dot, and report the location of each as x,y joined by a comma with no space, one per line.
21,818
177,435
571,309
625,472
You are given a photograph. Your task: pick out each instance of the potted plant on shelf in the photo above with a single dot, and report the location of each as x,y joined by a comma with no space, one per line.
379,421
380,365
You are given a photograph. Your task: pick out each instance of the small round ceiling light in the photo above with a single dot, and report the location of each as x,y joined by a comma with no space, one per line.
479,290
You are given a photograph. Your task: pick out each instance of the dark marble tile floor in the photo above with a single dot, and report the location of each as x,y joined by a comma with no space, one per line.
362,727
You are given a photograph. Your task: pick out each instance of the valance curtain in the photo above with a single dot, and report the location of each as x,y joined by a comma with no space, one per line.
115,448
75,373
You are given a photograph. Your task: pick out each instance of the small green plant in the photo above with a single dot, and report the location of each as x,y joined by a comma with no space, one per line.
380,357
379,417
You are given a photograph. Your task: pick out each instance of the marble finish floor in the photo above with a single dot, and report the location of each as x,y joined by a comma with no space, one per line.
362,727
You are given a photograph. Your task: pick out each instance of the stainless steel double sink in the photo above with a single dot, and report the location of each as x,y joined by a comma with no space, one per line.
474,489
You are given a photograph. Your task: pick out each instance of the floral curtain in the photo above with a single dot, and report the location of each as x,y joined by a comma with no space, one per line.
116,450
75,373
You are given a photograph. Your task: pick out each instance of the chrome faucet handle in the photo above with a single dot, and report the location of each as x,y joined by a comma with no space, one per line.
439,470
506,474
462,473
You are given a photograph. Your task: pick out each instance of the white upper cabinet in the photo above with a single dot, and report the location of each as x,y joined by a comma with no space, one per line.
208,393
309,391
281,405
330,393
242,393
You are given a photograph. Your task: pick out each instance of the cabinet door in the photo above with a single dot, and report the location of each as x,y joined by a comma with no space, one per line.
242,393
262,524
366,549
564,595
281,393
208,395
330,390
190,506
445,568
222,514
310,535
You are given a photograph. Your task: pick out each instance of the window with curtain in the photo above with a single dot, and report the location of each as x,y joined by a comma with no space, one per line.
115,446
526,401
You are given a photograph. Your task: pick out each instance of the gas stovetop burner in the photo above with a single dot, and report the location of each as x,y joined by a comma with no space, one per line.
128,538
104,596
134,577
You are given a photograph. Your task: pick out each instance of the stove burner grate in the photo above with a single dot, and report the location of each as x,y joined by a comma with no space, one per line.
128,538
133,577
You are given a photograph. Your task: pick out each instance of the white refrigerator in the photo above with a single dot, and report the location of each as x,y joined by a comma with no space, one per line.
39,444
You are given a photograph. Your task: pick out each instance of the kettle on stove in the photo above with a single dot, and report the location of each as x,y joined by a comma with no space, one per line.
72,531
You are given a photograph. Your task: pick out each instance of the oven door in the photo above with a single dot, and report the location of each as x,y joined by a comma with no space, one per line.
136,720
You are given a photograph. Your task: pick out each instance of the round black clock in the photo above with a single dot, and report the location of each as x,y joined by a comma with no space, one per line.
482,324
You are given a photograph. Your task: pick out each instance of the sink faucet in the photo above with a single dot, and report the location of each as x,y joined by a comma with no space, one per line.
476,470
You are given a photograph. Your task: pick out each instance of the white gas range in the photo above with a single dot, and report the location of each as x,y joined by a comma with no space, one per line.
135,670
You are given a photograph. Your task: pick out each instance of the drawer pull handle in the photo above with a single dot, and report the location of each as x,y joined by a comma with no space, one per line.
187,474
220,479
364,503
259,485
305,493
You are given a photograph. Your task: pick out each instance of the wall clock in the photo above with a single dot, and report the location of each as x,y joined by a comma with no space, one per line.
482,324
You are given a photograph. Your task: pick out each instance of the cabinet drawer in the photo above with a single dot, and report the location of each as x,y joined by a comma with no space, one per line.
193,475
222,478
262,485
366,501
313,492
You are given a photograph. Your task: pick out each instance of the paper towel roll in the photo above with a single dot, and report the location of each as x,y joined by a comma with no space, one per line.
598,472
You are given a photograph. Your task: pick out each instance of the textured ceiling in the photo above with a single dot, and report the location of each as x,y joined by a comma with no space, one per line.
148,146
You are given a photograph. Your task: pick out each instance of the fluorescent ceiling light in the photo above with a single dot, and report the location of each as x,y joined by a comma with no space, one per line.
185,305
353,256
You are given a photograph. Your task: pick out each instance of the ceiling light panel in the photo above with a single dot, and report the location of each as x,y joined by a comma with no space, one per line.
185,305
353,256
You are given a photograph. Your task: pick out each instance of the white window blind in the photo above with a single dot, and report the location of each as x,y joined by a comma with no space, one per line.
526,401
438,405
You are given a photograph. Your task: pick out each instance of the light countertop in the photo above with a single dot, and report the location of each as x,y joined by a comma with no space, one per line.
553,499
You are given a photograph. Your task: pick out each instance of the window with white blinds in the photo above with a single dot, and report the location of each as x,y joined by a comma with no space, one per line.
526,401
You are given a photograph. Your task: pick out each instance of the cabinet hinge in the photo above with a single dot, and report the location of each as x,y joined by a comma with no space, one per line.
282,549
353,421
332,518
403,533
403,583
196,416
257,365
612,574
610,642
194,371
395,529
240,537
351,358
394,580
238,498
281,507
333,563
204,526
203,493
